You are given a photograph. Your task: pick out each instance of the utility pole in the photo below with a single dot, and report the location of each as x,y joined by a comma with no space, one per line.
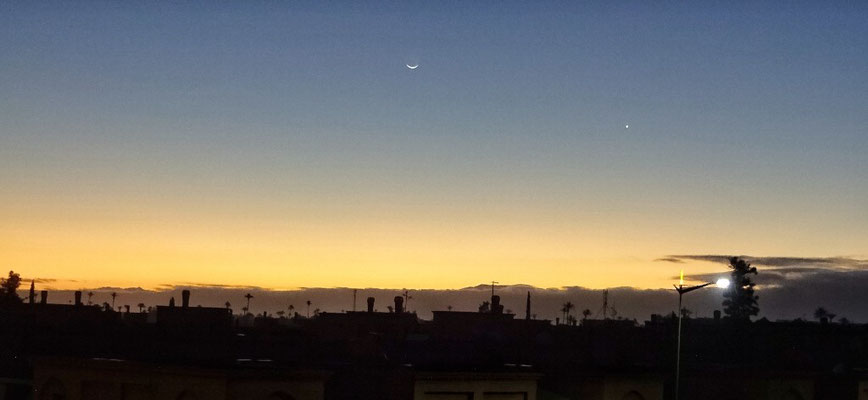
355,291
681,291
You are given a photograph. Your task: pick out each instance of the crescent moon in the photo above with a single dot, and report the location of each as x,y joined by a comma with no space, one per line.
412,66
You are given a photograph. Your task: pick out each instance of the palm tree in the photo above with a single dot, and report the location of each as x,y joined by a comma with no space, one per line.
114,295
586,313
89,295
308,308
449,308
248,296
141,307
567,309
291,309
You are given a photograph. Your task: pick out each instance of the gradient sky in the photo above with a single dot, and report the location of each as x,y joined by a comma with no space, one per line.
287,145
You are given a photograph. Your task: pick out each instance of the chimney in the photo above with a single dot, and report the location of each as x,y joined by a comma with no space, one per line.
78,297
185,298
43,297
172,302
399,304
527,307
370,304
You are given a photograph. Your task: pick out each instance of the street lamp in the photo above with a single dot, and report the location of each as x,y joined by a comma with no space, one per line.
722,283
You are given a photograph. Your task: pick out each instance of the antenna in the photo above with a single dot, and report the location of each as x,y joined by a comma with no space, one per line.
492,287
605,309
407,298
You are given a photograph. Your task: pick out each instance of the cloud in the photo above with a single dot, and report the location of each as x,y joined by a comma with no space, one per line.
827,262
674,260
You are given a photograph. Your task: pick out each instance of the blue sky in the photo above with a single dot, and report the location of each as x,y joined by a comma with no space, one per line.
747,129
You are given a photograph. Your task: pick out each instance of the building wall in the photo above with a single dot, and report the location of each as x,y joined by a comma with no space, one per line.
89,383
613,387
305,389
790,389
863,390
632,388
97,381
475,386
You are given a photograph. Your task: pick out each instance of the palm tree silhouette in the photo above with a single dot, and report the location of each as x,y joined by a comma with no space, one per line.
114,294
291,309
586,313
567,309
308,308
141,307
89,295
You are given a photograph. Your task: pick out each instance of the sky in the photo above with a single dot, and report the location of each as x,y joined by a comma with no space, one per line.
554,144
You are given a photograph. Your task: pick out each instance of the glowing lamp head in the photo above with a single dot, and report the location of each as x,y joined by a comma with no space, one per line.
681,277
723,283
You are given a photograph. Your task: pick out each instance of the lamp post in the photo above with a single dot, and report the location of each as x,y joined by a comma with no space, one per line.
681,289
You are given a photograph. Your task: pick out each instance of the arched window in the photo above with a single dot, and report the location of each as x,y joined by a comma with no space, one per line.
53,389
633,395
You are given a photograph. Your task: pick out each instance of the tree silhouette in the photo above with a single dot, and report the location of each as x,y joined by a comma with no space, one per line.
586,313
567,309
114,295
821,313
308,308
281,313
740,303
8,289
291,308
449,308
89,296
141,307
